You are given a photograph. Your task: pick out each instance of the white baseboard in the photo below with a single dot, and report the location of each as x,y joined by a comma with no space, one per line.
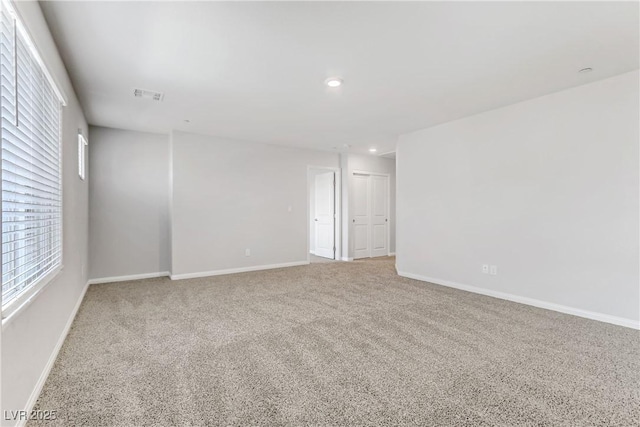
127,278
52,359
236,270
392,254
620,321
344,258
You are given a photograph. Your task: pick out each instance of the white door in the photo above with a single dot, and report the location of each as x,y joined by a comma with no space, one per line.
370,215
325,215
379,218
361,216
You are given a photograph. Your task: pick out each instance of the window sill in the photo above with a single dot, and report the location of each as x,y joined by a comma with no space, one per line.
12,310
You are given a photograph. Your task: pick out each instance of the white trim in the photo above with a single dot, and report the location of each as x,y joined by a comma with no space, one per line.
392,254
54,355
361,172
82,155
386,153
620,321
236,270
128,278
344,258
27,296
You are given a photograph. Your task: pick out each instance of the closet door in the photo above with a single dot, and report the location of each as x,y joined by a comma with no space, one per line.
361,216
379,186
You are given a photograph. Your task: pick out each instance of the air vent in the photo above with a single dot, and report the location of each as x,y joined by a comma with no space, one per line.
148,94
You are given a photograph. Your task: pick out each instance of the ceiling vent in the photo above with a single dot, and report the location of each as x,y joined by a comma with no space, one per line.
148,94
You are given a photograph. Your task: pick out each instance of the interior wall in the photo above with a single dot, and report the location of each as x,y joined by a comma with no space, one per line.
30,339
546,190
229,196
128,203
312,206
376,164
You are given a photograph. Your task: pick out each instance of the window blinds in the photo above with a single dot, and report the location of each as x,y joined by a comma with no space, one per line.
31,165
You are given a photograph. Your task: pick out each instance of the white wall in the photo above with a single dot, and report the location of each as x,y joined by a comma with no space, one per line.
364,163
31,338
128,203
228,196
546,189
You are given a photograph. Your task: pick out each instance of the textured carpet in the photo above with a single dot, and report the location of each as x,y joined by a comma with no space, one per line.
335,344
318,259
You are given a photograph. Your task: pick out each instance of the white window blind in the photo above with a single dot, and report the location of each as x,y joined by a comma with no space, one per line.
31,166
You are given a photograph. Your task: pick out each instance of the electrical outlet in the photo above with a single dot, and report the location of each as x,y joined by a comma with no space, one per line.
247,252
485,268
493,270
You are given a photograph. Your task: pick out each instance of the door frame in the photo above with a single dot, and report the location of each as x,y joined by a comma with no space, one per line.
388,175
337,194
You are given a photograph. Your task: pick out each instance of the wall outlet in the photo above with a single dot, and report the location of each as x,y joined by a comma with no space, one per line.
493,270
247,252
485,268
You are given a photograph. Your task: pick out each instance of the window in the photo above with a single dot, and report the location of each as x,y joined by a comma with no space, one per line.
82,156
31,107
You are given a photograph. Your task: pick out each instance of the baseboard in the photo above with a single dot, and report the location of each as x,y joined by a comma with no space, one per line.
620,321
52,359
237,270
392,254
127,278
344,258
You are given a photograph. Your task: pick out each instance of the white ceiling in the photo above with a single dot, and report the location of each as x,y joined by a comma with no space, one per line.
255,71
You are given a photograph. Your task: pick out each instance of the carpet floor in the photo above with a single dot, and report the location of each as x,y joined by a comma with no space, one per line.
318,259
335,344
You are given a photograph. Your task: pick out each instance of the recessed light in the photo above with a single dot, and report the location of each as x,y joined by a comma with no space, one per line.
372,150
586,70
333,81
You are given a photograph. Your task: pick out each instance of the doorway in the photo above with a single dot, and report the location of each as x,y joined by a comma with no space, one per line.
370,221
324,214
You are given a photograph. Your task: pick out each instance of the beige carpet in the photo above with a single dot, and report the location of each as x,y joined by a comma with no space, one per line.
343,344
314,259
